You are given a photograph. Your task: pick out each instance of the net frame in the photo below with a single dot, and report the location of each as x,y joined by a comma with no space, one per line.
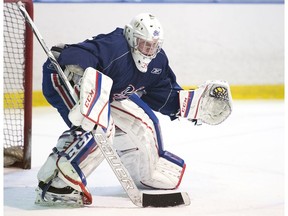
20,156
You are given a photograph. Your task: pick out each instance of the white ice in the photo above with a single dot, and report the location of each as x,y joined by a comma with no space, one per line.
233,169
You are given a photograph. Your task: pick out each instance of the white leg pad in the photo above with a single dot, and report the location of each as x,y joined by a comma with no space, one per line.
138,148
166,173
87,166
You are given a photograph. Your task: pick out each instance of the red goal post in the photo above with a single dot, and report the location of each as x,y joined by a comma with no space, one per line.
17,85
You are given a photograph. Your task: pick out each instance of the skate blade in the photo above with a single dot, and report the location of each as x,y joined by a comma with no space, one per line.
58,201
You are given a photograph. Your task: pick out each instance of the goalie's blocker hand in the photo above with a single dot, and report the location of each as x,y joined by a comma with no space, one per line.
211,103
93,107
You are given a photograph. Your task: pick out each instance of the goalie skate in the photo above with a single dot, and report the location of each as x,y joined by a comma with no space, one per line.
59,197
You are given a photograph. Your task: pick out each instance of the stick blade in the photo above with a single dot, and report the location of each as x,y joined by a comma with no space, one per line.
166,200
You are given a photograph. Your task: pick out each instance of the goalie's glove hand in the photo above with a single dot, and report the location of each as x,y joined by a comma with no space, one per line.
211,102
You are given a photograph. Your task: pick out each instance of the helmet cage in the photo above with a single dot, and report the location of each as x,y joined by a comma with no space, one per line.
147,48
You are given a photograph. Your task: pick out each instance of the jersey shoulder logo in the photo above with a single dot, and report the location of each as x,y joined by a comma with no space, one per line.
156,71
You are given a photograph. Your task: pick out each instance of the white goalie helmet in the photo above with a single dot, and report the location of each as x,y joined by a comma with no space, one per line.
144,35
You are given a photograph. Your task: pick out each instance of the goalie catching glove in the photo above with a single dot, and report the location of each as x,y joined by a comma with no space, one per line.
211,103
93,107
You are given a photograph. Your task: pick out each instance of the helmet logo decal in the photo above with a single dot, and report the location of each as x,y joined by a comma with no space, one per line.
156,33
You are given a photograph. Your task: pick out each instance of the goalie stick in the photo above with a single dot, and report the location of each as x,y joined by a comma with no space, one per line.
139,198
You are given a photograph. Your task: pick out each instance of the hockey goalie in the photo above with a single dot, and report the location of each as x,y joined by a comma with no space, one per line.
121,79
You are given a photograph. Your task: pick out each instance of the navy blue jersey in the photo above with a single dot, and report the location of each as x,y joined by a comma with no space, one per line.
111,55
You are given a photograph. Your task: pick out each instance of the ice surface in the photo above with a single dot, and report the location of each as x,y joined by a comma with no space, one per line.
233,169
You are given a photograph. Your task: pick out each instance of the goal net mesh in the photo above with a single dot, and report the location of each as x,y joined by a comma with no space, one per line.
14,80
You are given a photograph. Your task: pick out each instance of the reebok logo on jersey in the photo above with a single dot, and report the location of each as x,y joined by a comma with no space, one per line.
156,71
